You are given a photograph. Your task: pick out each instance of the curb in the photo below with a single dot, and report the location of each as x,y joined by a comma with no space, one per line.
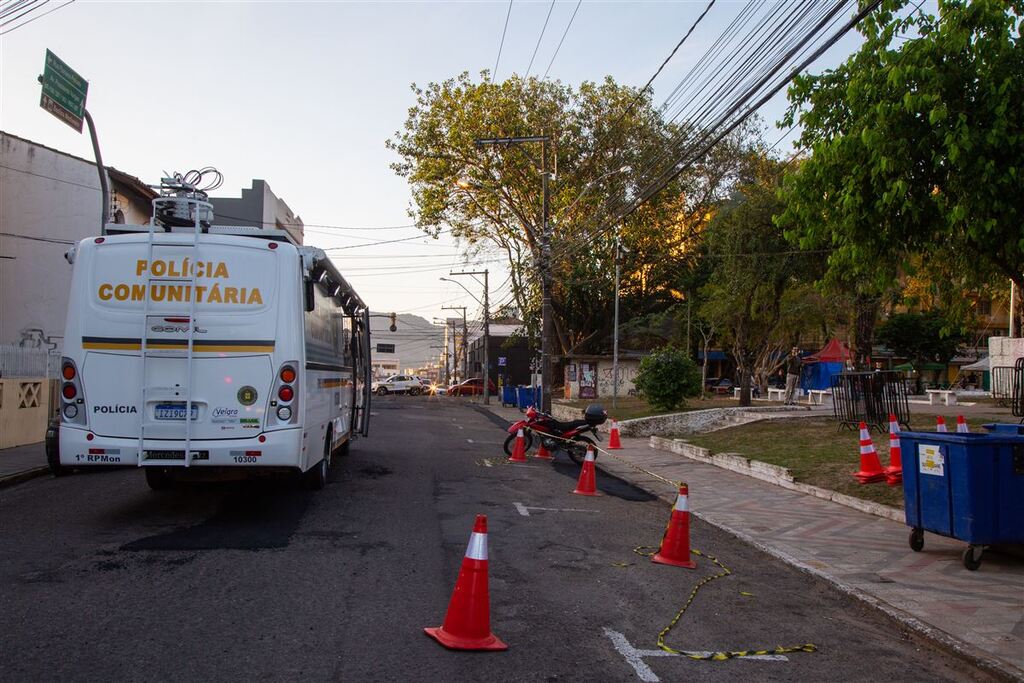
978,657
23,476
773,474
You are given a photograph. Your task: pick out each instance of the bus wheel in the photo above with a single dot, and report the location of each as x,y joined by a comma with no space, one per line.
158,478
316,478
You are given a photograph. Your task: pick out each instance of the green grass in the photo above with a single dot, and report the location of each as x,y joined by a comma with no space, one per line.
816,453
629,407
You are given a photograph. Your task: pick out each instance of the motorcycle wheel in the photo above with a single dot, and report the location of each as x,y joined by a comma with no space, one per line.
577,449
511,441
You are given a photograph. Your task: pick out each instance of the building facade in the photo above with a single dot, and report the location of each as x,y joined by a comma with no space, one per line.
260,207
48,201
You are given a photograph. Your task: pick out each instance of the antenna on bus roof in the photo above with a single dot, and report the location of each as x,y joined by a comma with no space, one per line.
183,199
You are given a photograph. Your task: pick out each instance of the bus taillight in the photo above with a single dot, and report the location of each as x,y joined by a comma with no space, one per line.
68,391
287,374
68,371
286,393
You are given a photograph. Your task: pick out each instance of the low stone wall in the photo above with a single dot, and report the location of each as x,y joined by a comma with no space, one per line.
775,474
699,421
691,422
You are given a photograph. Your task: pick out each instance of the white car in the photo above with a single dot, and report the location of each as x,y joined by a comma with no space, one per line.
398,384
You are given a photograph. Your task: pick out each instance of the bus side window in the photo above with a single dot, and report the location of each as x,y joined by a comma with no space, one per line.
308,286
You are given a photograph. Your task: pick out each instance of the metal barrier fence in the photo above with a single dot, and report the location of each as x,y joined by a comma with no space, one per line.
870,397
22,361
1018,389
1002,384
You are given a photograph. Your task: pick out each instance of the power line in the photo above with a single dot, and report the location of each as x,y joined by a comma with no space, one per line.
564,33
502,43
38,16
540,38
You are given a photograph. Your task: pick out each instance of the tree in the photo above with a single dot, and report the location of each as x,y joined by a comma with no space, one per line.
755,290
916,145
493,195
667,377
604,135
920,337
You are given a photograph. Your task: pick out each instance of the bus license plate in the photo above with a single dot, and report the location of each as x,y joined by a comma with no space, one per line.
174,411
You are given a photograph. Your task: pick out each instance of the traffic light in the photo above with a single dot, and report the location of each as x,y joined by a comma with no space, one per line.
393,326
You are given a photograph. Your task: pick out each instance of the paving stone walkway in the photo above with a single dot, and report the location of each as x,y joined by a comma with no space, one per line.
979,613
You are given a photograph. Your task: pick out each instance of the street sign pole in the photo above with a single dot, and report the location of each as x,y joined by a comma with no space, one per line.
63,95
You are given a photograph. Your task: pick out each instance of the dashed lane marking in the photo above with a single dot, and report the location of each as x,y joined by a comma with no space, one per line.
470,440
635,657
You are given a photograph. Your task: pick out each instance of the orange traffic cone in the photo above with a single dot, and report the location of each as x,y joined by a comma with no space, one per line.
675,545
940,424
587,484
961,425
614,443
543,453
467,624
894,472
870,466
519,449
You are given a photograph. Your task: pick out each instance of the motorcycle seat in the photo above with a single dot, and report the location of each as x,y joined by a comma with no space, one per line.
567,426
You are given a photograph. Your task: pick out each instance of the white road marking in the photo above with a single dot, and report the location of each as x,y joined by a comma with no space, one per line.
459,427
635,657
469,440
524,510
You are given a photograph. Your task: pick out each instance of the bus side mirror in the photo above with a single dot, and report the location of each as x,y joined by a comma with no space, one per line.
310,299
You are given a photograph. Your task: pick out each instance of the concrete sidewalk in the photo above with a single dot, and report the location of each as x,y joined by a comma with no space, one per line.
20,463
979,613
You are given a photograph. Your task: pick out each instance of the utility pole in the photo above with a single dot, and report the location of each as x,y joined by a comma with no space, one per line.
547,324
487,329
615,335
465,337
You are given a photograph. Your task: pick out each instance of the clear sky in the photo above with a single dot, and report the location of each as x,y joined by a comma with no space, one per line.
304,95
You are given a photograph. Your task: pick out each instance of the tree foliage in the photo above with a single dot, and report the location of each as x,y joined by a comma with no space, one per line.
758,292
920,337
917,141
667,377
603,137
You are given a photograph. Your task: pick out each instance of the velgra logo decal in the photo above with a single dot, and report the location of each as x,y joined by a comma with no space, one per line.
114,409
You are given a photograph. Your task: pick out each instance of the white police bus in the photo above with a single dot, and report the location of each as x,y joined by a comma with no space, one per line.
195,347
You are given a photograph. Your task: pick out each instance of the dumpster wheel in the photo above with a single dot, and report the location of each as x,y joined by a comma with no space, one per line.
972,556
916,540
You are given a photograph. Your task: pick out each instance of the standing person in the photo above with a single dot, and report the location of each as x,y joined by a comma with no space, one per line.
793,367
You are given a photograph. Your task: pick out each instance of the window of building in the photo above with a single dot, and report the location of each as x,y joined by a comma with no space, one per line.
385,348
984,307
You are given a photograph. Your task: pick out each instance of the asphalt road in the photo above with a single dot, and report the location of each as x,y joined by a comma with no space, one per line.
102,579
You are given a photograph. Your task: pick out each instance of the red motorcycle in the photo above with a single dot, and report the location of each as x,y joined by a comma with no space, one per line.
556,435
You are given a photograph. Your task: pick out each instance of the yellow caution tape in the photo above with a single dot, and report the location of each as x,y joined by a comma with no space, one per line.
647,551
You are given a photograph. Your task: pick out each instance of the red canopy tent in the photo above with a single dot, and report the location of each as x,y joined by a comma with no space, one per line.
834,351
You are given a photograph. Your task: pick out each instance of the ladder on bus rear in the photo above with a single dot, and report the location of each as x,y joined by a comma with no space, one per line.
165,457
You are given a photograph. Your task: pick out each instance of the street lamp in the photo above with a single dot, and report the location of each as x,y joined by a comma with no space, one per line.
487,327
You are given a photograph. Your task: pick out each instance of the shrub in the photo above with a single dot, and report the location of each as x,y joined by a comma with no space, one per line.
666,377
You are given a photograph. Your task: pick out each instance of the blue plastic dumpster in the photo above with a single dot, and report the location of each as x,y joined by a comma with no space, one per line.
964,486
1005,428
508,395
526,397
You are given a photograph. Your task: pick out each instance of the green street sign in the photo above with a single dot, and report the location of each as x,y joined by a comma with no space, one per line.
64,92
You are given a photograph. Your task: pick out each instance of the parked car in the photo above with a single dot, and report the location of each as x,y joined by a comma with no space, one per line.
471,387
398,384
722,386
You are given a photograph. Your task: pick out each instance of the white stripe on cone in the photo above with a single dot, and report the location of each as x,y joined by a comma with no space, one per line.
682,503
590,454
477,549
864,450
